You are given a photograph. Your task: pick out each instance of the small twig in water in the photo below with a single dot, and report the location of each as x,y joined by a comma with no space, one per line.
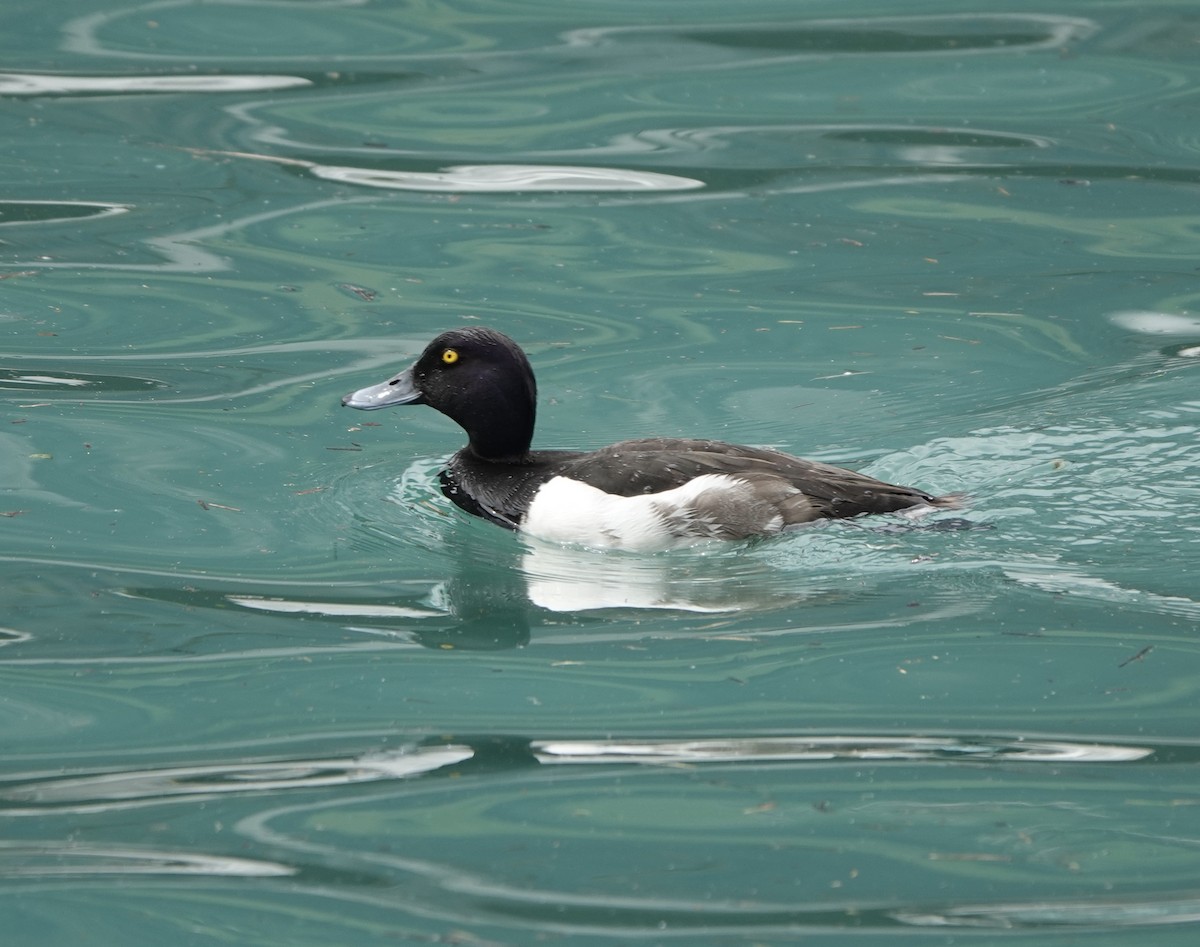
1137,657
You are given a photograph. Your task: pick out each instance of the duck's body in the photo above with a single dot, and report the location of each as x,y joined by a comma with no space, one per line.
639,495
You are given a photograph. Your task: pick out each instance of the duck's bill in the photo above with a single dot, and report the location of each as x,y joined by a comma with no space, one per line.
398,390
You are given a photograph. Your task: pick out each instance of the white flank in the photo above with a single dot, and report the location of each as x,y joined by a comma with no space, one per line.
567,511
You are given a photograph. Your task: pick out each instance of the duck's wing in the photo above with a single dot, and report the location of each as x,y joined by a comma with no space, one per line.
800,490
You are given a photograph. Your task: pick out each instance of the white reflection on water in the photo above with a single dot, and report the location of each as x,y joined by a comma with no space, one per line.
95,211
1060,577
1156,323
48,380
97,792
487,178
1060,914
330,609
107,791
56,859
28,83
787,749
12,636
509,178
27,859
973,34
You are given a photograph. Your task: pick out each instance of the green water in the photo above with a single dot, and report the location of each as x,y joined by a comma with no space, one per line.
261,684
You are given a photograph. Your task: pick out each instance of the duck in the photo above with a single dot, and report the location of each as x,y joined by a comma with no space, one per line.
641,495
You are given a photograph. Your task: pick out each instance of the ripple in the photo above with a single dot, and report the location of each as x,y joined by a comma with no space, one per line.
14,213
180,251
1058,578
490,178
958,34
416,511
781,749
1150,911
1164,236
197,376
12,636
331,30
324,124
102,792
35,84
925,136
75,383
771,146
510,178
329,609
227,600
1036,87
831,852
55,859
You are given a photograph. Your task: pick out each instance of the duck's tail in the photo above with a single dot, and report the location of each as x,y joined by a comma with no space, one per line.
930,504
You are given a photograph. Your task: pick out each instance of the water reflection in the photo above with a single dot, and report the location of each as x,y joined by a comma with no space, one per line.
55,859
15,213
530,586
101,790
613,850
33,84
704,745
1047,915
1156,323
12,636
487,178
489,754
957,34
782,749
75,382
184,251
708,579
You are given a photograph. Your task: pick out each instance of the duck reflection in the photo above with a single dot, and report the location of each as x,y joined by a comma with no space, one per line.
561,579
498,603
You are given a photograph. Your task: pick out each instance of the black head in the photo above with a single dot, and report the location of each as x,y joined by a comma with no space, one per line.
476,376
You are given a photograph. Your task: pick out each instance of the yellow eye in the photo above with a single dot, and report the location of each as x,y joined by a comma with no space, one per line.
450,356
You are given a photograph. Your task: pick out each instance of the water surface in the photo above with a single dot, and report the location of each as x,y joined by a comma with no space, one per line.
260,683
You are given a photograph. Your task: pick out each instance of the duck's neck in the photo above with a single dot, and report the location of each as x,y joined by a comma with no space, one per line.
498,451
506,441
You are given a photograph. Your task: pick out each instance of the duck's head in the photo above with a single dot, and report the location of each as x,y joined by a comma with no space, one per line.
475,376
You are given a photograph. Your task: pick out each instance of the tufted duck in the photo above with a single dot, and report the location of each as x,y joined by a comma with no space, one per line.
642,495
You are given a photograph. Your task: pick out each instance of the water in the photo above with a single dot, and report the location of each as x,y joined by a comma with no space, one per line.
262,684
